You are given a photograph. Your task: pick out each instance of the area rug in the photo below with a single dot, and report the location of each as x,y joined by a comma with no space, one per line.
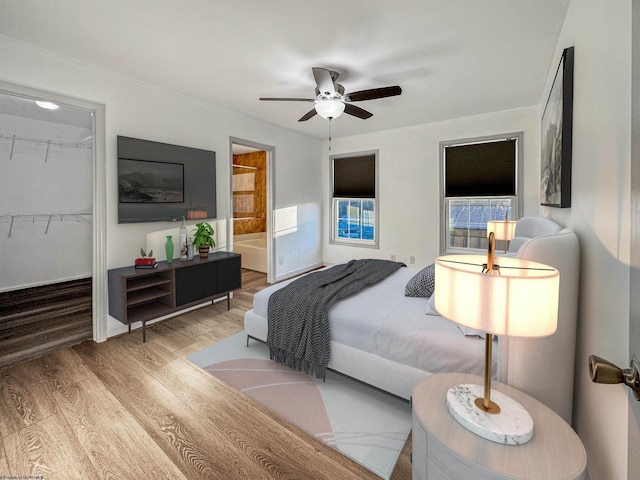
363,423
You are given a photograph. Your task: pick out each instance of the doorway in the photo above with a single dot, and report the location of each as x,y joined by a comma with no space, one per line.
251,200
49,232
54,196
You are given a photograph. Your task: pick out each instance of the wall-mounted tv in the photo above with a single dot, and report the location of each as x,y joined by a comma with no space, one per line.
162,182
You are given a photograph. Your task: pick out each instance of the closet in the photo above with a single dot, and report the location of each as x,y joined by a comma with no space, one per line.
46,227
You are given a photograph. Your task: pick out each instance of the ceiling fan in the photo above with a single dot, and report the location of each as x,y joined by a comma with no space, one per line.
331,101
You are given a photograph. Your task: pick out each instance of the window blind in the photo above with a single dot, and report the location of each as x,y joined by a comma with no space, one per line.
354,177
481,169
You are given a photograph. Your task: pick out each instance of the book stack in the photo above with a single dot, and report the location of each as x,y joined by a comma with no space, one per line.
146,262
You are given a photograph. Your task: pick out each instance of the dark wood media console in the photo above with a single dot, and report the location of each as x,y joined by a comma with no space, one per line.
140,295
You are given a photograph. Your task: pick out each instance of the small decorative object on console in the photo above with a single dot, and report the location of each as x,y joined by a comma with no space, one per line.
183,241
148,263
169,248
203,238
145,261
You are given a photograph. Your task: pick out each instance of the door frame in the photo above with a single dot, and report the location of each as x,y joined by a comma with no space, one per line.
633,432
271,155
99,293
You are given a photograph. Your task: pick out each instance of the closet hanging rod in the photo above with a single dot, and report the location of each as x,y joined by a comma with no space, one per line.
48,217
84,143
40,216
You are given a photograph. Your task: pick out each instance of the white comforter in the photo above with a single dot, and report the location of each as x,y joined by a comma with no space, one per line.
382,321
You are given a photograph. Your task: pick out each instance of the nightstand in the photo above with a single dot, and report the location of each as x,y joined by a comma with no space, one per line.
443,449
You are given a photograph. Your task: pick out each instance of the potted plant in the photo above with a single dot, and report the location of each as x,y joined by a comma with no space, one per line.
203,238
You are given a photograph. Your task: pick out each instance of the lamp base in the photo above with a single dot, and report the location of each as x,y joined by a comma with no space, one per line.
512,426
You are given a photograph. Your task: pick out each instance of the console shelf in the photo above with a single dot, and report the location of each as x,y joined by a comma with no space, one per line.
146,282
140,295
136,297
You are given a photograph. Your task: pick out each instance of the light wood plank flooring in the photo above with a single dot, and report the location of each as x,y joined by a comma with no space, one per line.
122,409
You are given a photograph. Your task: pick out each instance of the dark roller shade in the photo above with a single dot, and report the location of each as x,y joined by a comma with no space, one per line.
354,177
481,169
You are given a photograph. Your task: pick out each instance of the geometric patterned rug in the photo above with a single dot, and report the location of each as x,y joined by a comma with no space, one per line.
365,424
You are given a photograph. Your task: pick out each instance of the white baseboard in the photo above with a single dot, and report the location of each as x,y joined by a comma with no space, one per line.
297,271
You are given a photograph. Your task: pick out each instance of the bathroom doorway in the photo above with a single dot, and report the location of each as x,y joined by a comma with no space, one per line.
251,187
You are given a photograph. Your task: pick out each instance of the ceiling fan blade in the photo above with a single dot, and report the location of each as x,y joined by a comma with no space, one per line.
374,93
324,81
357,111
310,114
288,99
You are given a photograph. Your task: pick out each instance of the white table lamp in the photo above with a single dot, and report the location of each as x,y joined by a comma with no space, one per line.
503,230
516,298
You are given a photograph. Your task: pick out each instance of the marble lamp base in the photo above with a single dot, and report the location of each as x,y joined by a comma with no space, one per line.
512,426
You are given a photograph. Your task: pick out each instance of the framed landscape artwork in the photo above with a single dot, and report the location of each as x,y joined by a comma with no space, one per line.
556,131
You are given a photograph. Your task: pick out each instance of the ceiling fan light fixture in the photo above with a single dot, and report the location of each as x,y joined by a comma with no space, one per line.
331,101
329,108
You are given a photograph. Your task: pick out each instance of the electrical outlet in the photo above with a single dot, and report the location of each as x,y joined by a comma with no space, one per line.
393,257
412,259
280,260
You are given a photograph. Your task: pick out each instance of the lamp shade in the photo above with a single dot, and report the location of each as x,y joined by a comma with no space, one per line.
503,230
329,108
521,300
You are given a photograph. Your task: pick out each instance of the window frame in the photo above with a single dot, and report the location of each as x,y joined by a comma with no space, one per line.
352,242
516,204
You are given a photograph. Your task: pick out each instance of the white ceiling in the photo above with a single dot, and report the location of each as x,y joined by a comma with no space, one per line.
452,58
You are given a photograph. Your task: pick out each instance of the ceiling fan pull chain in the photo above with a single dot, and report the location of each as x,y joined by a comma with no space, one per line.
330,133
13,142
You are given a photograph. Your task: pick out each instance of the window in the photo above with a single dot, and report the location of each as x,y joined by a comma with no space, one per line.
354,205
480,182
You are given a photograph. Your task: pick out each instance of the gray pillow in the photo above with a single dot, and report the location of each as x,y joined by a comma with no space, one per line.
423,283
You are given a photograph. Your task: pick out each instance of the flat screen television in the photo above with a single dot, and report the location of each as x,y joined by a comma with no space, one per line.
162,182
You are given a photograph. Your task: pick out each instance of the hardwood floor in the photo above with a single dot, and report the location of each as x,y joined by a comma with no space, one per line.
122,409
37,320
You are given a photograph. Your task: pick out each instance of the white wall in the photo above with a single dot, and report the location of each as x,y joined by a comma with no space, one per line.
600,31
145,111
409,181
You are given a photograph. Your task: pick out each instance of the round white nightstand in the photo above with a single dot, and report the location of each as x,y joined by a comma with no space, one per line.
442,449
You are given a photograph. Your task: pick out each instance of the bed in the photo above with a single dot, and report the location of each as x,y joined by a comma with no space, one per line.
391,341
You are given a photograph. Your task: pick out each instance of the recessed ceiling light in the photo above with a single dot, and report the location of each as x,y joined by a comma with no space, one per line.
47,105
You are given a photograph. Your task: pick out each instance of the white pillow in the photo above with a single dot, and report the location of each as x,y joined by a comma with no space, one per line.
431,305
466,331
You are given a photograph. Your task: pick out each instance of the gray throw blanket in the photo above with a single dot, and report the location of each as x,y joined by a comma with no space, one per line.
298,327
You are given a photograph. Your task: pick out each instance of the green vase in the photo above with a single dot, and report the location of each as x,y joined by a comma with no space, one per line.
168,247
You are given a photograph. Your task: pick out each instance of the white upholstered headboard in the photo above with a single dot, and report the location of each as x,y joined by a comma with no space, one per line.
529,227
544,367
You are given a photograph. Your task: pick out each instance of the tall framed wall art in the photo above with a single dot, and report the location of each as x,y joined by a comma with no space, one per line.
556,132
